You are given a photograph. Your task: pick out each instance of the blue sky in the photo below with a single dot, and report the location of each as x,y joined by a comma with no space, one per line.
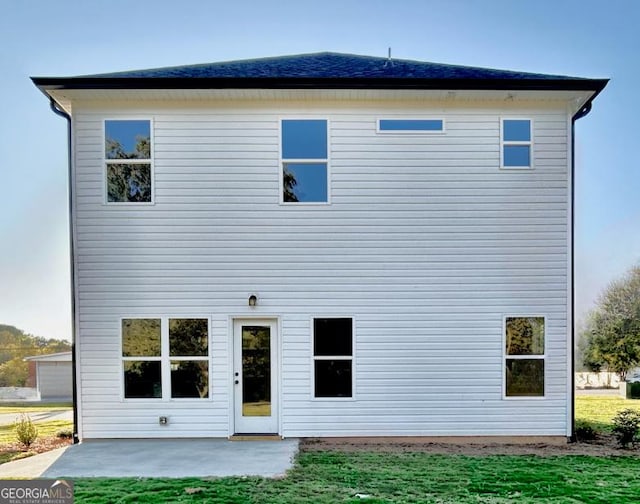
586,38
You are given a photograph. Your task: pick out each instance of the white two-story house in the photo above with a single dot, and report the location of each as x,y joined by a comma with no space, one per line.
322,245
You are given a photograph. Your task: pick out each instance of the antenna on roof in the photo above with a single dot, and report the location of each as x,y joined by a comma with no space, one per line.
388,62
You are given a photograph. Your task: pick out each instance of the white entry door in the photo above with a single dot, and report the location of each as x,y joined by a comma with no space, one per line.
255,376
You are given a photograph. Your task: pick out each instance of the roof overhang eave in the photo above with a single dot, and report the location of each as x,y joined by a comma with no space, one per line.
59,83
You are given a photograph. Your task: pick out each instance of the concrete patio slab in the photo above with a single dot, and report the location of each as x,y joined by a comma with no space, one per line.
162,458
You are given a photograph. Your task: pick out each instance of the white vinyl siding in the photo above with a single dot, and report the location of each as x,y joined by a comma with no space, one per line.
426,244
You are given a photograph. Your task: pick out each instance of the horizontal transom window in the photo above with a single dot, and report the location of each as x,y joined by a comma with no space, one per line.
410,125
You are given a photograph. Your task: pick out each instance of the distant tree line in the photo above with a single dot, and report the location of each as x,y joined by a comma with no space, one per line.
611,338
15,345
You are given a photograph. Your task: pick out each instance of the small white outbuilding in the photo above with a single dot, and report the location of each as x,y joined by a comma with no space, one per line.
53,376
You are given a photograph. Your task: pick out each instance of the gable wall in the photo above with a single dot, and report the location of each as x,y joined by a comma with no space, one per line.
427,244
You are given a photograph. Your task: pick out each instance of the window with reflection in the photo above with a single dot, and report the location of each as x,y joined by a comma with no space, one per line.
333,357
189,351
516,143
127,154
177,348
141,352
256,370
304,161
524,356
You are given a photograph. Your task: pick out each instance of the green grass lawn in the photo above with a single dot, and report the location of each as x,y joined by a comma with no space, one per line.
35,407
600,410
338,477
335,477
45,428
325,477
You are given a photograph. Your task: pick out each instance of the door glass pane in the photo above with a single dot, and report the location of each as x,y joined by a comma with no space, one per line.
256,371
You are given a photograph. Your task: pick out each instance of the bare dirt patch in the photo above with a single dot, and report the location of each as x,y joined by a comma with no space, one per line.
604,446
14,451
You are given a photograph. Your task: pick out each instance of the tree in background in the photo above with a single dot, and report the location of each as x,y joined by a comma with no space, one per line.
15,345
612,332
289,182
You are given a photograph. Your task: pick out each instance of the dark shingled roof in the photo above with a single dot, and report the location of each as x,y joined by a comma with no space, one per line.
326,65
321,70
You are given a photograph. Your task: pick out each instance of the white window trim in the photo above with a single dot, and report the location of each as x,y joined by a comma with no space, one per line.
283,160
352,358
150,162
504,143
165,360
411,131
543,357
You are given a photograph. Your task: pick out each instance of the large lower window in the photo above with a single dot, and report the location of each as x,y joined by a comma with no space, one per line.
524,356
127,154
141,352
150,371
189,351
304,161
333,357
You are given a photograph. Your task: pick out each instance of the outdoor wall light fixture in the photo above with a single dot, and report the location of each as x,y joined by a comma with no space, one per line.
253,300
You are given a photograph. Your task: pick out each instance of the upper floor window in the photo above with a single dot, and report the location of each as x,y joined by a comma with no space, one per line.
516,143
524,356
127,154
410,125
304,175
